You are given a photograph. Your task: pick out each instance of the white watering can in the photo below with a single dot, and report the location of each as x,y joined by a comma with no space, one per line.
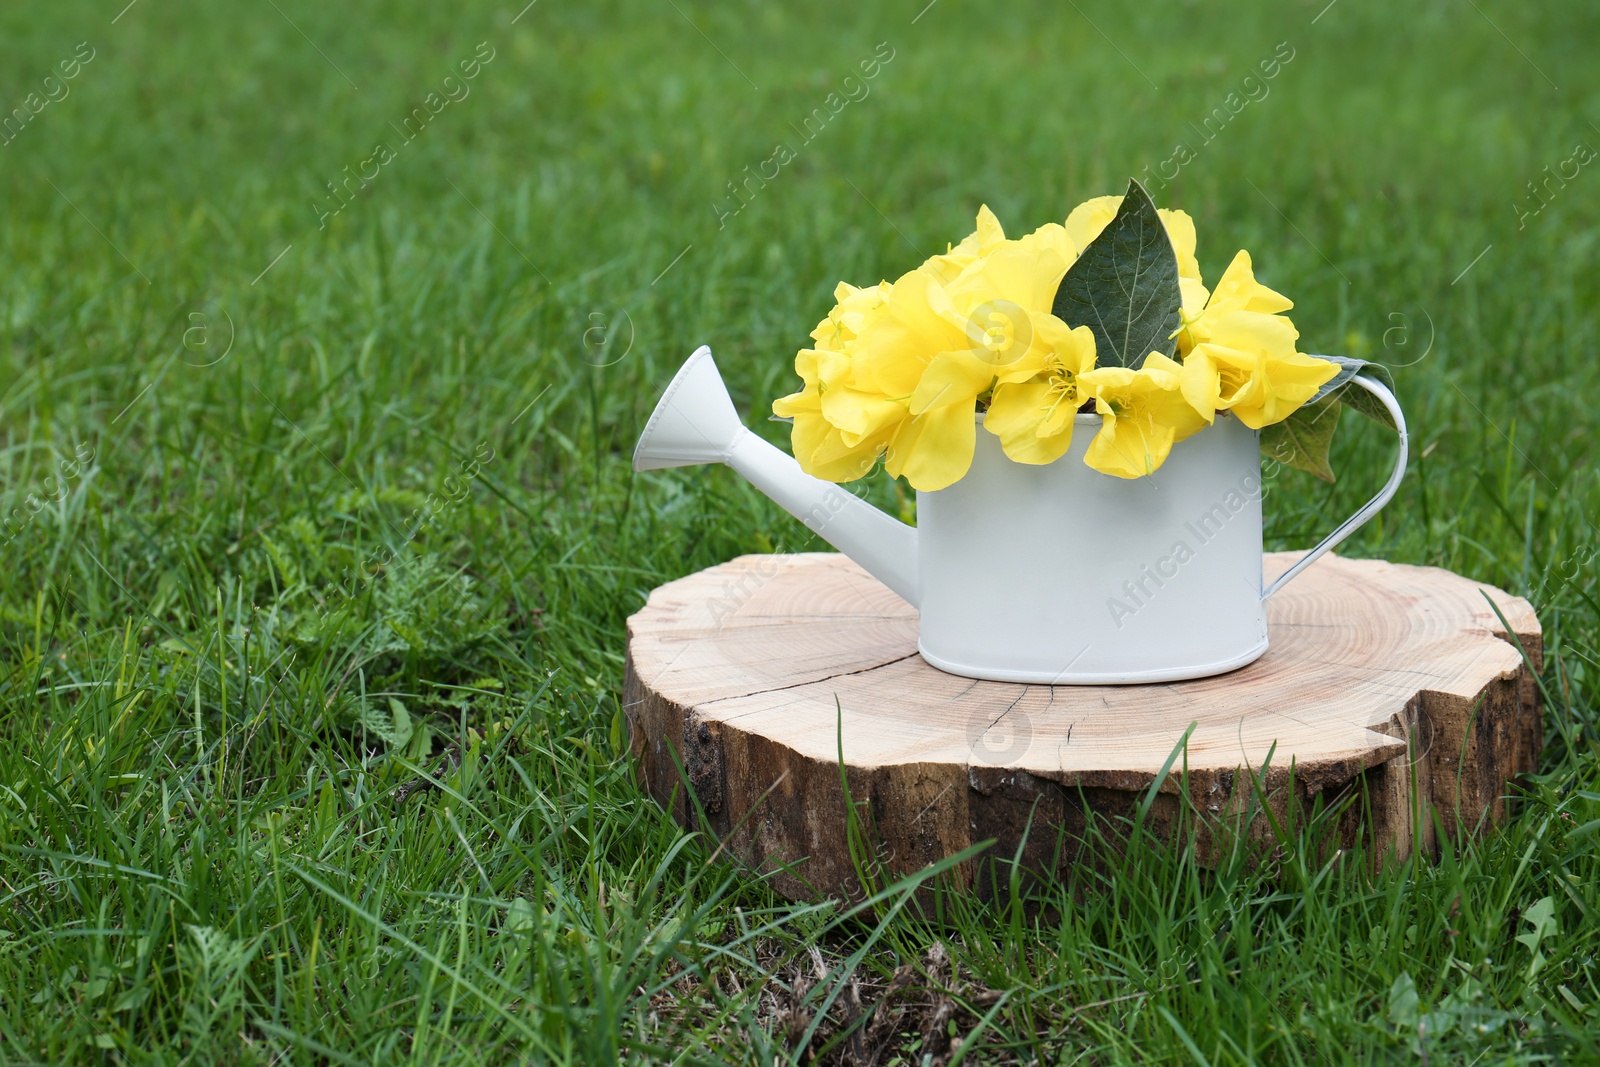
1053,574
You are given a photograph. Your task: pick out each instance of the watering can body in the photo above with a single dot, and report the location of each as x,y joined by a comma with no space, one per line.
1052,574
1058,574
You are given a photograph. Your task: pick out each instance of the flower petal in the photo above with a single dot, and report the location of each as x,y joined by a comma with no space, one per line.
934,450
1201,382
1238,290
1018,415
1129,447
952,377
1180,231
1089,218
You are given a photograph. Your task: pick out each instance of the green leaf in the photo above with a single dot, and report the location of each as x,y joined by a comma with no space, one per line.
619,734
1404,1002
1585,830
521,917
1354,396
421,745
1362,402
1302,440
132,999
1542,917
402,723
1124,286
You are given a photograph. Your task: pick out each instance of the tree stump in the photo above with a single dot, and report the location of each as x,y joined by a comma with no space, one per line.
1393,687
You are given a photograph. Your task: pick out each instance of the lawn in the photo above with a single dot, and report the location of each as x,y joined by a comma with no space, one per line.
325,335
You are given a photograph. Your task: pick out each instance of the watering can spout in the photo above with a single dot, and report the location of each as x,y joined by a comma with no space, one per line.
695,422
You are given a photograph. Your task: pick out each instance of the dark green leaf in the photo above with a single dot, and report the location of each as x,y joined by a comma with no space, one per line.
1301,441
1124,286
1359,400
1354,396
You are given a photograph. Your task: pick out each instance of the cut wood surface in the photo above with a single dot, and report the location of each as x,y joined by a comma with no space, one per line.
1393,687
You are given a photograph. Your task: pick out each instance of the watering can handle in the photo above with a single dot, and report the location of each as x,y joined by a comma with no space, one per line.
1356,521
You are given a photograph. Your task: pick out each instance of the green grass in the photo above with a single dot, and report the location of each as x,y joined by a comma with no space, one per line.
202,857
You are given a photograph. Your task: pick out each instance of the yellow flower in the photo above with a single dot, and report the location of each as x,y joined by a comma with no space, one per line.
1237,292
850,405
1143,413
985,238
1089,218
901,368
869,392
824,450
1033,418
1261,382
999,301
936,363
989,236
850,314
1239,353
933,450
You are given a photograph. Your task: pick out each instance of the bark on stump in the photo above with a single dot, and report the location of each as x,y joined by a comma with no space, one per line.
1394,687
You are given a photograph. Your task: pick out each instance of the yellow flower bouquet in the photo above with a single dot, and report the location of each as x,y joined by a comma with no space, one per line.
1105,313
